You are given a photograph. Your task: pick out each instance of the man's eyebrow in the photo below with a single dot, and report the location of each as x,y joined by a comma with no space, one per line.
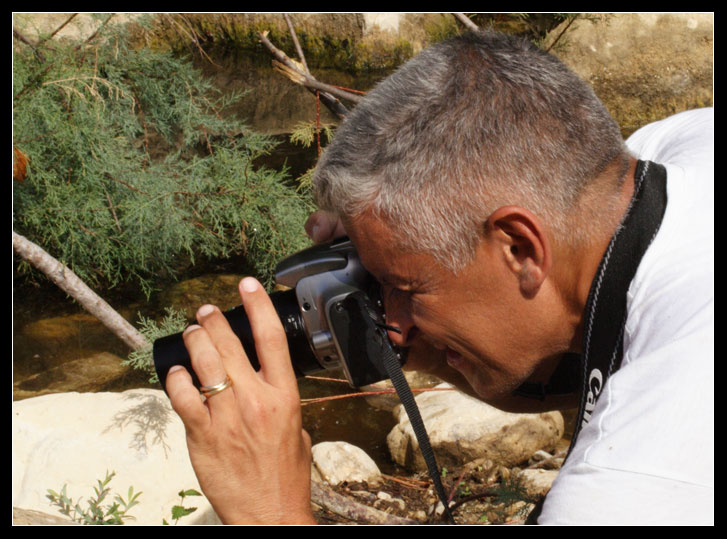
397,281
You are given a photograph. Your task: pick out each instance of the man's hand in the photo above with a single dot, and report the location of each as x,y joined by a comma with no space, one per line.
246,443
322,227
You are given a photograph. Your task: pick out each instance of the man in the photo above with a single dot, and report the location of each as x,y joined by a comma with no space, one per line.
526,256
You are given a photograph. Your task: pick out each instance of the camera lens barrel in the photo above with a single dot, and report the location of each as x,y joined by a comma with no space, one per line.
170,350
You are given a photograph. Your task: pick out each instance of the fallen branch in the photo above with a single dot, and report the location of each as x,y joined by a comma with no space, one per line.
72,285
350,509
328,93
63,25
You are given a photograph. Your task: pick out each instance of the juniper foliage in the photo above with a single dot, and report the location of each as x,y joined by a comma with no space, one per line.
133,165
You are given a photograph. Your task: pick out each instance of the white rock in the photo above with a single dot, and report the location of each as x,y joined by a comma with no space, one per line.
73,439
340,461
538,482
389,401
540,455
462,429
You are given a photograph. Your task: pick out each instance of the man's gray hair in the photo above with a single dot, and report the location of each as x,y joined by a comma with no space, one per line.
469,125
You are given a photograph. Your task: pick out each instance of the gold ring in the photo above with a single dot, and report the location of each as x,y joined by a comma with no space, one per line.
208,391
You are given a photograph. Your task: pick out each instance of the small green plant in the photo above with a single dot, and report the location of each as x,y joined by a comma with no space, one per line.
179,511
512,494
95,513
142,359
305,133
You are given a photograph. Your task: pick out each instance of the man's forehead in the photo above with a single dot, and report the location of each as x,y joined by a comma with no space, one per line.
385,257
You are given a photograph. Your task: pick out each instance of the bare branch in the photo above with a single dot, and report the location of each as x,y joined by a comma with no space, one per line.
328,93
72,285
571,21
93,36
69,19
296,42
20,37
464,19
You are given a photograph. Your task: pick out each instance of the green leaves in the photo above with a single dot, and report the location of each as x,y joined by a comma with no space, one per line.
142,359
136,169
115,513
95,513
179,511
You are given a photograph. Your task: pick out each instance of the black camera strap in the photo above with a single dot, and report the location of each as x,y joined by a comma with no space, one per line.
362,323
606,308
393,368
605,313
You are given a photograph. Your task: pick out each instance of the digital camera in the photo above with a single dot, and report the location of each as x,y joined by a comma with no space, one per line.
332,315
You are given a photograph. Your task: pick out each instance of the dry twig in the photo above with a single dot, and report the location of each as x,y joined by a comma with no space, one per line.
328,93
349,509
297,43
306,402
464,19
571,21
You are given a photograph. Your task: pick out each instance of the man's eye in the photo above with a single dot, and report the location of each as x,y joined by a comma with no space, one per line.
398,293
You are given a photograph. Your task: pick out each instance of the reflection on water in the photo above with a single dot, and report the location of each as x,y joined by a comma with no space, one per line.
351,420
57,347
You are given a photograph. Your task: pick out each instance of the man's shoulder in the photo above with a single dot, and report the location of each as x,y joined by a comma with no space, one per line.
686,139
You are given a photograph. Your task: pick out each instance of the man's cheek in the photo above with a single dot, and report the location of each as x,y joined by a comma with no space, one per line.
422,356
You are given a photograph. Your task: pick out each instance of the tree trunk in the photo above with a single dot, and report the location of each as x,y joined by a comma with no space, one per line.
72,285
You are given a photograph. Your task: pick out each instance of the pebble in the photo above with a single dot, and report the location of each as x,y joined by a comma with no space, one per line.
386,497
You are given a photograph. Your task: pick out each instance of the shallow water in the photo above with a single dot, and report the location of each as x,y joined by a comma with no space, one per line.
53,337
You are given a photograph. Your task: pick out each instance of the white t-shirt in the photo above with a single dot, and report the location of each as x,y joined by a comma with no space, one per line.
647,455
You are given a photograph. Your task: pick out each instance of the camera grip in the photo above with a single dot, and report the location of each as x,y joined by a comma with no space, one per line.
170,350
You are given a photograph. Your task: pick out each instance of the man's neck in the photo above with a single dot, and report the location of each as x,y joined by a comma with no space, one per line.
578,268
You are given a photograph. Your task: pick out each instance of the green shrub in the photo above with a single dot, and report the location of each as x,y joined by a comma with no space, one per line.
134,170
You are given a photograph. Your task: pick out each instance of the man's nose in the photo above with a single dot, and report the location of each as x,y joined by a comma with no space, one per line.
398,316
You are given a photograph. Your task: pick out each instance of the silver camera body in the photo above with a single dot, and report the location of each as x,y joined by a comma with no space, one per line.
332,315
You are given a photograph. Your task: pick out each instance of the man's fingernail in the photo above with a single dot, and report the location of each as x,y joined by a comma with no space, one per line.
192,328
175,368
204,310
249,284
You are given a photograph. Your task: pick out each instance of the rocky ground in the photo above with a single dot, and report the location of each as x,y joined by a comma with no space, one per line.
480,493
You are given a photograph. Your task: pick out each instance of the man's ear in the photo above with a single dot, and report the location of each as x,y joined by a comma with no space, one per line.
524,245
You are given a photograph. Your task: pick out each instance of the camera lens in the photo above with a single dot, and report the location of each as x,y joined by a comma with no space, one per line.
170,350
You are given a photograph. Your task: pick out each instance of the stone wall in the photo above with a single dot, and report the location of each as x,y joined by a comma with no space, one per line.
643,66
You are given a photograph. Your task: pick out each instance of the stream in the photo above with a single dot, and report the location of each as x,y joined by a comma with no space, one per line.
58,347
68,350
